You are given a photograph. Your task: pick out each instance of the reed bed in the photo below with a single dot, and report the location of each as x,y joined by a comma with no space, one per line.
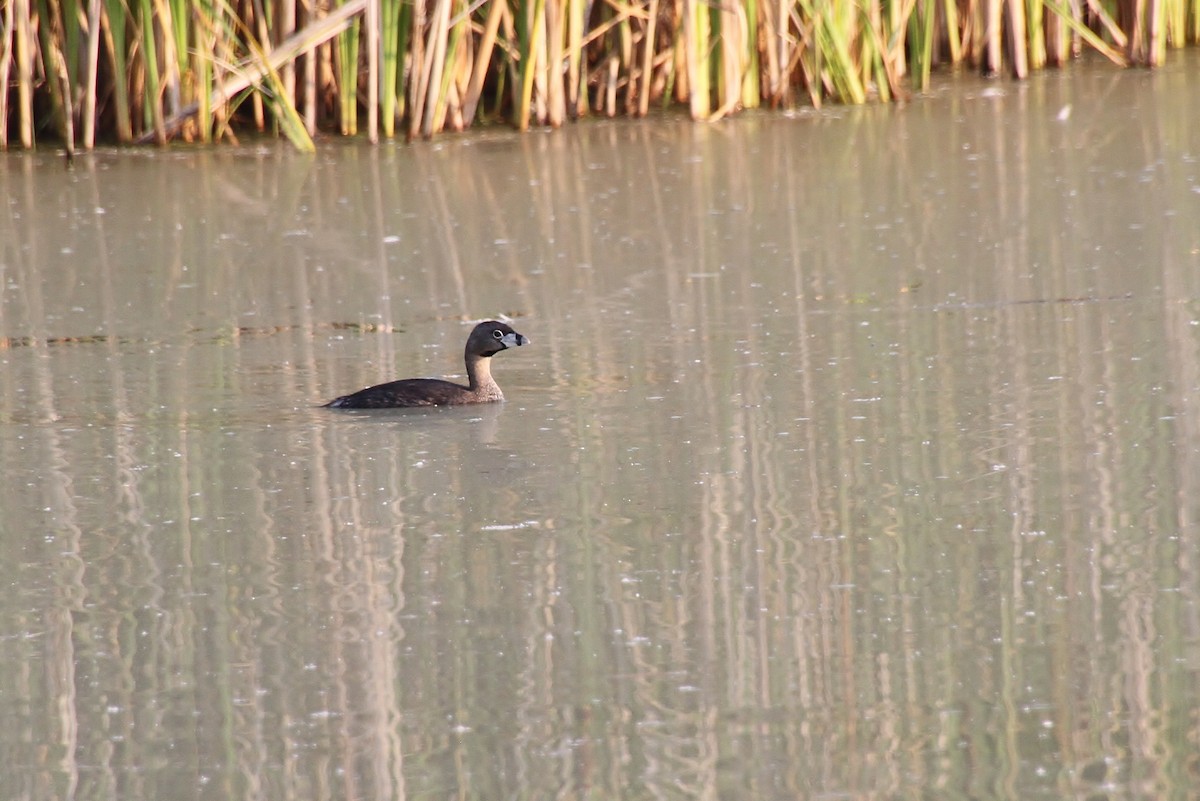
79,71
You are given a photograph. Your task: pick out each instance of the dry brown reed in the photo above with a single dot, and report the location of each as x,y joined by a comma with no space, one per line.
156,70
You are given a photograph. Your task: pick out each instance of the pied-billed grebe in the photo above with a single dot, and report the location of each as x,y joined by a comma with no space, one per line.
488,339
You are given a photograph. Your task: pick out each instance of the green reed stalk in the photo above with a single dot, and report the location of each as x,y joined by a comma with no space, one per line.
951,27
182,27
1036,25
530,32
114,22
647,66
284,109
877,53
726,66
69,37
873,50
751,69
405,32
696,38
922,31
391,14
1162,29
847,36
1157,34
347,50
54,65
203,54
508,76
896,61
1174,22
152,114
834,36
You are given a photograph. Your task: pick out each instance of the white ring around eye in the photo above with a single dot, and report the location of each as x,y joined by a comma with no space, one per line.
498,334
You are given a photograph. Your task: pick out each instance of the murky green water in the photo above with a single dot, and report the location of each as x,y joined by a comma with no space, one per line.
855,456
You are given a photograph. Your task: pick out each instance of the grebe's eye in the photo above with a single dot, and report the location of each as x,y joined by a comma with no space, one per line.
497,333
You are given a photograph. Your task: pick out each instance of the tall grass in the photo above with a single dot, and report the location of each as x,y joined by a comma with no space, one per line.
78,71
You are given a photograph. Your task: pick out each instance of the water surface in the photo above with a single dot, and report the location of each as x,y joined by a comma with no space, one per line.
854,457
